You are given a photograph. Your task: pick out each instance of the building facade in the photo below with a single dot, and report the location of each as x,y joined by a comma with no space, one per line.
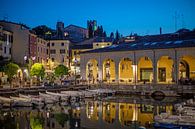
33,46
6,40
147,62
59,52
20,45
41,53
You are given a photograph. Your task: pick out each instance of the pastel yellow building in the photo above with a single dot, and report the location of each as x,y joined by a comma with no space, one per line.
59,52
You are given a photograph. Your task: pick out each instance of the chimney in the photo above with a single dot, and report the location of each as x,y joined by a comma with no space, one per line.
160,30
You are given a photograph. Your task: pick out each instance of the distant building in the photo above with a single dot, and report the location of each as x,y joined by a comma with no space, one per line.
90,44
60,30
92,23
76,33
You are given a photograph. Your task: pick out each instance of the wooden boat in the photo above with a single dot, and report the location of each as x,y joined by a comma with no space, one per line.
165,120
36,100
19,101
5,102
61,97
48,99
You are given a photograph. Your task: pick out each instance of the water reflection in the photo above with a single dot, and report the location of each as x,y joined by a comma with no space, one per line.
108,114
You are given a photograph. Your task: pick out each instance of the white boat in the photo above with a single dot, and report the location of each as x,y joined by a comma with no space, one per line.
89,94
36,100
62,97
48,99
19,101
71,93
166,119
4,101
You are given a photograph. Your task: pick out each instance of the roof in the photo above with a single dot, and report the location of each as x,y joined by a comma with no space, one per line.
85,46
146,46
21,24
74,26
96,39
103,39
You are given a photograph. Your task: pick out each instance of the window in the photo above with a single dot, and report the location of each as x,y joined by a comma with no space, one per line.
47,52
52,44
62,44
10,50
108,44
52,59
75,52
48,44
62,51
5,50
38,49
97,44
11,38
53,51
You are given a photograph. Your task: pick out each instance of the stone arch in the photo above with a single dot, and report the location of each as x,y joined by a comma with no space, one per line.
145,69
165,69
109,74
187,67
92,71
125,70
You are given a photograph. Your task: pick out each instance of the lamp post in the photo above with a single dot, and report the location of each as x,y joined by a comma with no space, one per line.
30,62
75,72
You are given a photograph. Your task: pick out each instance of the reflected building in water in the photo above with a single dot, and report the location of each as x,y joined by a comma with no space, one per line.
109,114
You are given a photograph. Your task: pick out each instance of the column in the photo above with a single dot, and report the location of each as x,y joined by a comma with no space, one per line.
155,68
134,72
176,68
117,71
100,71
155,71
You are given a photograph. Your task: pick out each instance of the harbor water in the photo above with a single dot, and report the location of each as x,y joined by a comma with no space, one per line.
118,112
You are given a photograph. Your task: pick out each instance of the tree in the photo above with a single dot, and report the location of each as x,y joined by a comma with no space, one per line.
117,35
112,35
104,34
60,71
10,70
37,70
42,30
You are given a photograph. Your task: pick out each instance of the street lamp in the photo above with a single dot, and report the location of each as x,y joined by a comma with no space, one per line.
75,64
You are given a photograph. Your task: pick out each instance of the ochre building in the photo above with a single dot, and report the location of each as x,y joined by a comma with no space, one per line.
163,62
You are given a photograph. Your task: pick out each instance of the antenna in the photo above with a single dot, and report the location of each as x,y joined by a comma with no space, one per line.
175,20
182,21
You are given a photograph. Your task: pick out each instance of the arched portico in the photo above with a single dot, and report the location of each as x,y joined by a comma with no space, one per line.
187,67
125,71
145,70
92,71
109,74
165,70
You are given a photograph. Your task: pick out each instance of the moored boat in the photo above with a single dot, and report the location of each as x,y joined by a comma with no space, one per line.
19,101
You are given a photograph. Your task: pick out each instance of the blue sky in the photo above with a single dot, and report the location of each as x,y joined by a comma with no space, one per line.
127,16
